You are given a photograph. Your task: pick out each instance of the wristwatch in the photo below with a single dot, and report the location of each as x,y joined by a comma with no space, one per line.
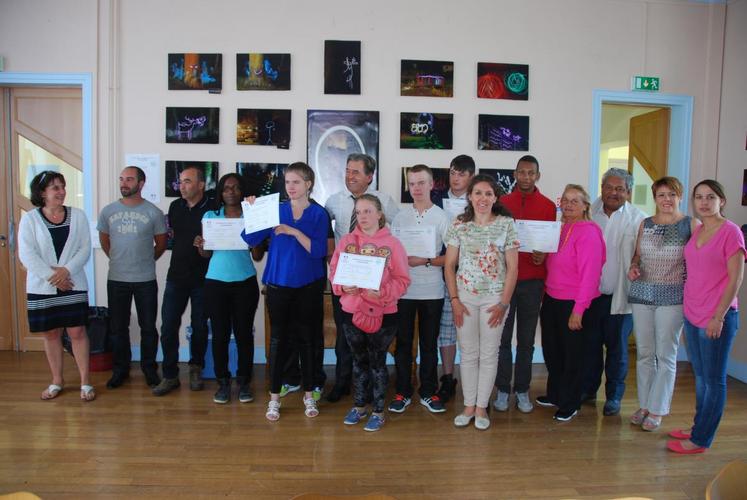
428,263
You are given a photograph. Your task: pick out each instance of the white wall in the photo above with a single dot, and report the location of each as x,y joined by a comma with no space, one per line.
572,47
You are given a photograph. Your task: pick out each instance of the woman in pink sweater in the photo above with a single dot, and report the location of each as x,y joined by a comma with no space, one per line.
370,316
568,313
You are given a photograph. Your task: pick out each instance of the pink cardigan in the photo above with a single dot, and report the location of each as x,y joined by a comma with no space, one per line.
574,272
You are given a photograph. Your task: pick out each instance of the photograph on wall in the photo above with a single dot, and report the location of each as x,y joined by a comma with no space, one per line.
440,185
504,176
744,188
503,81
263,127
427,78
503,133
330,137
263,71
191,71
263,178
425,130
192,125
174,168
342,67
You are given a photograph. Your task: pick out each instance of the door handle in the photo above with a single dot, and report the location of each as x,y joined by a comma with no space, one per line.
3,241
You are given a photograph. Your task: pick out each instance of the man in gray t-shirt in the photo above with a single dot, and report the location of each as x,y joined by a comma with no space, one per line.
132,232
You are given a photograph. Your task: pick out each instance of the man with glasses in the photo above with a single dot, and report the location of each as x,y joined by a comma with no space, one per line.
608,346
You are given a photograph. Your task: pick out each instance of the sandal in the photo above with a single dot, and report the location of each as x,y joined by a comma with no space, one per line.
87,393
273,411
651,423
638,417
311,410
51,392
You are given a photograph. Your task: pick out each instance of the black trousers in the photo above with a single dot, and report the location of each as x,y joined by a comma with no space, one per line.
429,321
344,364
292,369
231,306
291,317
564,350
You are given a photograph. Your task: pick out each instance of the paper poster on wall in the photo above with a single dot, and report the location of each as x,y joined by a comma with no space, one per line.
440,185
503,81
504,177
503,133
427,78
331,137
263,71
172,169
190,71
425,130
744,188
192,125
263,127
150,164
262,179
342,67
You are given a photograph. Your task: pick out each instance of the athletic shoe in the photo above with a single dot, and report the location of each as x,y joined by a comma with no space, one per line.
544,401
433,403
565,416
223,394
523,402
354,416
501,401
399,403
374,423
286,389
166,386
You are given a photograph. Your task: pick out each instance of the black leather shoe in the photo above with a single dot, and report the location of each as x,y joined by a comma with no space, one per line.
117,380
447,389
588,398
336,393
152,379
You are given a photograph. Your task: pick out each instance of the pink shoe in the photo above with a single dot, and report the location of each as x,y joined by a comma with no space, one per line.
676,446
680,433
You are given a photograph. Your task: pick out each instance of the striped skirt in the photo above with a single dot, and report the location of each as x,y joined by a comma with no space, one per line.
48,312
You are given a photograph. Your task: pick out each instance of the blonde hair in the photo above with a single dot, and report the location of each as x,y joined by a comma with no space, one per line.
376,203
584,197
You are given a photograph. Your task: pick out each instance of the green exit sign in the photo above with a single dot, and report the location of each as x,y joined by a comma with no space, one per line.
650,83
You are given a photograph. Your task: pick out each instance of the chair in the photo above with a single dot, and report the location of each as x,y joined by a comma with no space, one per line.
730,483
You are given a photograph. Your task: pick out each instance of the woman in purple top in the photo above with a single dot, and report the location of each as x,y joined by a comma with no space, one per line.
714,258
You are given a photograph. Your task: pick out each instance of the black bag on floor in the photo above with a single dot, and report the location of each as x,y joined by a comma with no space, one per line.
99,334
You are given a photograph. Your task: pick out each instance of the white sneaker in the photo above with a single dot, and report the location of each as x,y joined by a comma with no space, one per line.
523,403
501,401
482,423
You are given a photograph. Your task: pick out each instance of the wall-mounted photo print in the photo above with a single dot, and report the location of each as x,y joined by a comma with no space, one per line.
263,127
191,71
174,168
331,137
263,71
503,132
263,178
192,125
744,188
440,185
342,67
425,130
503,81
427,78
504,176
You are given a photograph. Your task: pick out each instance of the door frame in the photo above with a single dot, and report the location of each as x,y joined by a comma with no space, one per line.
680,131
85,82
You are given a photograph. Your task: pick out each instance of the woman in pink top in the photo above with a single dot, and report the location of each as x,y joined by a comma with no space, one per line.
714,258
568,312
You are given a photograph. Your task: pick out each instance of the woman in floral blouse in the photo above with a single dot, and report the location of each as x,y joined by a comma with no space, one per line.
483,242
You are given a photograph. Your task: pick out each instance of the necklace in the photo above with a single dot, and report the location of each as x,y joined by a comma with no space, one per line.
567,235
55,217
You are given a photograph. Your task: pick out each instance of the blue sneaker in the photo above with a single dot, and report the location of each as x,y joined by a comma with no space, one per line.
374,423
354,416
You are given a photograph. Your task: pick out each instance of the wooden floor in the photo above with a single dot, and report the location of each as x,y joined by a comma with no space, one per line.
130,444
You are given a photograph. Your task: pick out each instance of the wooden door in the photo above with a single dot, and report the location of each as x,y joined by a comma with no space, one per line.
6,261
45,134
649,142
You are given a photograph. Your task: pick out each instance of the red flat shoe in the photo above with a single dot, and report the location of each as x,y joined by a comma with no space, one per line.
676,446
680,434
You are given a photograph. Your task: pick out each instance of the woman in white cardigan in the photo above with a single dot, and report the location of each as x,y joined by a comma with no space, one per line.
54,244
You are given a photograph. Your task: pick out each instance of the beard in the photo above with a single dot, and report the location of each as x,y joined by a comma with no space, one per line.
127,192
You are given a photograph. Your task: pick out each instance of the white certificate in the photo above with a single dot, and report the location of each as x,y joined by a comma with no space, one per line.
539,235
264,213
419,241
363,271
223,234
454,207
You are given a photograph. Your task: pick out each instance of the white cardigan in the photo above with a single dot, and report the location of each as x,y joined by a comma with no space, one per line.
36,251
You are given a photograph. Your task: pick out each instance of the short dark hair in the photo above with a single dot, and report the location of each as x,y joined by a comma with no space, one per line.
463,163
221,184
200,172
369,164
40,182
138,172
529,159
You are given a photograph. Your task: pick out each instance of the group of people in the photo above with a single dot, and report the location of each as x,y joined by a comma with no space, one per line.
615,271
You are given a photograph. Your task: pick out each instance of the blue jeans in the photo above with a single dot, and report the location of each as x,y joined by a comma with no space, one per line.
708,358
120,295
175,298
608,352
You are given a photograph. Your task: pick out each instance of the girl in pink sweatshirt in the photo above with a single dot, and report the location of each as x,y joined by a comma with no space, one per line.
568,313
370,316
